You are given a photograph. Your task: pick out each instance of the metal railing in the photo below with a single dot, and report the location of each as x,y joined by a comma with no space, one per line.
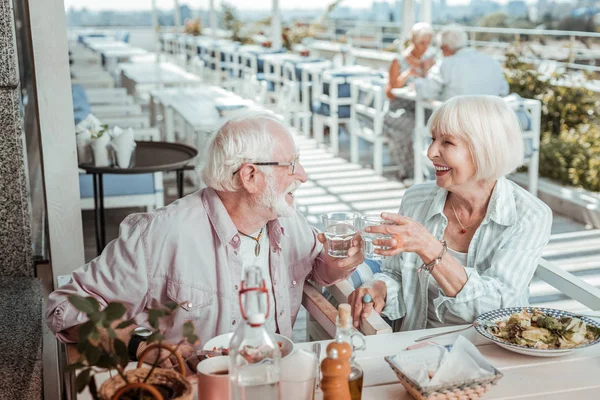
566,46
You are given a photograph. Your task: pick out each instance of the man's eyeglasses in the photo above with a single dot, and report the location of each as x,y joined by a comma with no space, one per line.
292,164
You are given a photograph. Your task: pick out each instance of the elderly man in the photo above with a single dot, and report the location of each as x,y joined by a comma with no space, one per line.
194,251
463,71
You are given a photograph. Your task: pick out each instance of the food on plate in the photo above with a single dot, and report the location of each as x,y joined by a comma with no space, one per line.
541,331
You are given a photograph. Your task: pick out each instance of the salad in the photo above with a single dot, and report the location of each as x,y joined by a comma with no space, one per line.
541,331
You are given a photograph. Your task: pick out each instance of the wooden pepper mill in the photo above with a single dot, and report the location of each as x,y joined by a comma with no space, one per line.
334,382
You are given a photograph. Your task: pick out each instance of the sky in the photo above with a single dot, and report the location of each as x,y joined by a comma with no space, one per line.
240,4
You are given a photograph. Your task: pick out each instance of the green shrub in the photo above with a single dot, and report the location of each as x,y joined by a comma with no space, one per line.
563,108
573,157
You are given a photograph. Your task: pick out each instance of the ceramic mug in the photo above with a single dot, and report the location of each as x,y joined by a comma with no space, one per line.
213,378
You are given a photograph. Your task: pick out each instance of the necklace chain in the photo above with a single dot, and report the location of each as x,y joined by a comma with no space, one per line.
464,228
256,239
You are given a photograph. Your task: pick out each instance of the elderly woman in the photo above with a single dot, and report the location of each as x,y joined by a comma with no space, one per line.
399,122
470,241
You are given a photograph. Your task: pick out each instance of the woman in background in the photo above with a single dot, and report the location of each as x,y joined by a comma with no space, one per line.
399,121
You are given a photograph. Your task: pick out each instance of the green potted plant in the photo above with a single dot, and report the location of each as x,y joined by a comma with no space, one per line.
102,350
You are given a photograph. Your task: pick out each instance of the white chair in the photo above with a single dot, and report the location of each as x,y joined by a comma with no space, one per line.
366,120
334,102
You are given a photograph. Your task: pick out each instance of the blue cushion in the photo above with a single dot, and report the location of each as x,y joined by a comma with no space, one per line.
118,185
343,90
270,85
529,148
524,117
323,109
81,105
298,64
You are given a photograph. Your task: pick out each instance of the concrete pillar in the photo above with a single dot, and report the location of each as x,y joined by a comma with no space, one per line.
15,225
177,14
275,26
213,19
426,11
408,19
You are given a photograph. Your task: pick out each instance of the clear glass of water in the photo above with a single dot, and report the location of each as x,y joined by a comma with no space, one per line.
339,229
368,237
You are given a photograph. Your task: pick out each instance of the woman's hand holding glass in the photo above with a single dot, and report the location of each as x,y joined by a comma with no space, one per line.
406,234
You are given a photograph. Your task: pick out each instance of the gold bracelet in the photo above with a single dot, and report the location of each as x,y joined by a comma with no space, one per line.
429,267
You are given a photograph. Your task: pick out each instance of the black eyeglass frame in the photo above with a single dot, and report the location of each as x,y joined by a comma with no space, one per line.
292,164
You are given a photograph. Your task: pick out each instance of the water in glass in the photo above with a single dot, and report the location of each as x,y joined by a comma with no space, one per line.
368,246
339,239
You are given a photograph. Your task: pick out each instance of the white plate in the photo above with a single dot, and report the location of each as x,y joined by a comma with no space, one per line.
502,314
287,346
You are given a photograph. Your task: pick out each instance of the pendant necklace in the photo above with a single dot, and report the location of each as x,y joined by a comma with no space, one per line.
464,228
256,239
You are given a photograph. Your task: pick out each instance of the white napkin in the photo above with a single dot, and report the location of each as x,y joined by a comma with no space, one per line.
463,362
100,150
83,138
122,145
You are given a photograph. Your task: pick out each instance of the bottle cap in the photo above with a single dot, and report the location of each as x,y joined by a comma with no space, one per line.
345,315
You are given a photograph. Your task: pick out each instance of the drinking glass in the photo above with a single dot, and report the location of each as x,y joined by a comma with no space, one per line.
368,237
339,228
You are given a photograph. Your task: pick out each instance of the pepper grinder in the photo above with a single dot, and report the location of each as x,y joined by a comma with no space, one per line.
335,371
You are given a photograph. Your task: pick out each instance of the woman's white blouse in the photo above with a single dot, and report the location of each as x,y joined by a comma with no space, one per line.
503,256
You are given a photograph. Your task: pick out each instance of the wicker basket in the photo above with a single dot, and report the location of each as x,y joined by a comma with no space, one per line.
115,387
469,389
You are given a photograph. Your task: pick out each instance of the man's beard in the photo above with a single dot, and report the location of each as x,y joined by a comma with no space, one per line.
275,201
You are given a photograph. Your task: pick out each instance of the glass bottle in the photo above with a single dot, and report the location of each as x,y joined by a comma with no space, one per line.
254,354
345,333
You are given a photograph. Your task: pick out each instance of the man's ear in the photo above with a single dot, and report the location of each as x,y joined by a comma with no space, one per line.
250,178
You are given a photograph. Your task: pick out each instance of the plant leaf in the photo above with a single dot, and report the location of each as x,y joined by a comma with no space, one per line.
192,339
125,324
114,311
121,352
74,367
171,305
83,379
156,337
93,388
92,355
97,317
86,330
154,315
188,332
84,305
106,362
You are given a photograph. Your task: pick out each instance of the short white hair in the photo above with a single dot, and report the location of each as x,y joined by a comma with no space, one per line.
420,30
454,37
491,129
245,138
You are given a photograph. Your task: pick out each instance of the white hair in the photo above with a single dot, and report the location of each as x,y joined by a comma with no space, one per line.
454,37
242,139
490,127
420,30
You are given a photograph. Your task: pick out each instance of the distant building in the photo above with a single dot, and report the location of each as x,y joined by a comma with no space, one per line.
381,11
516,9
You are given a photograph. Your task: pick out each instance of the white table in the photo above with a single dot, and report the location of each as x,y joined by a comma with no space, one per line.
574,376
525,377
163,74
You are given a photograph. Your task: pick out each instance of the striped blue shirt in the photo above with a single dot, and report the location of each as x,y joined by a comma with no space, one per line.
503,256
